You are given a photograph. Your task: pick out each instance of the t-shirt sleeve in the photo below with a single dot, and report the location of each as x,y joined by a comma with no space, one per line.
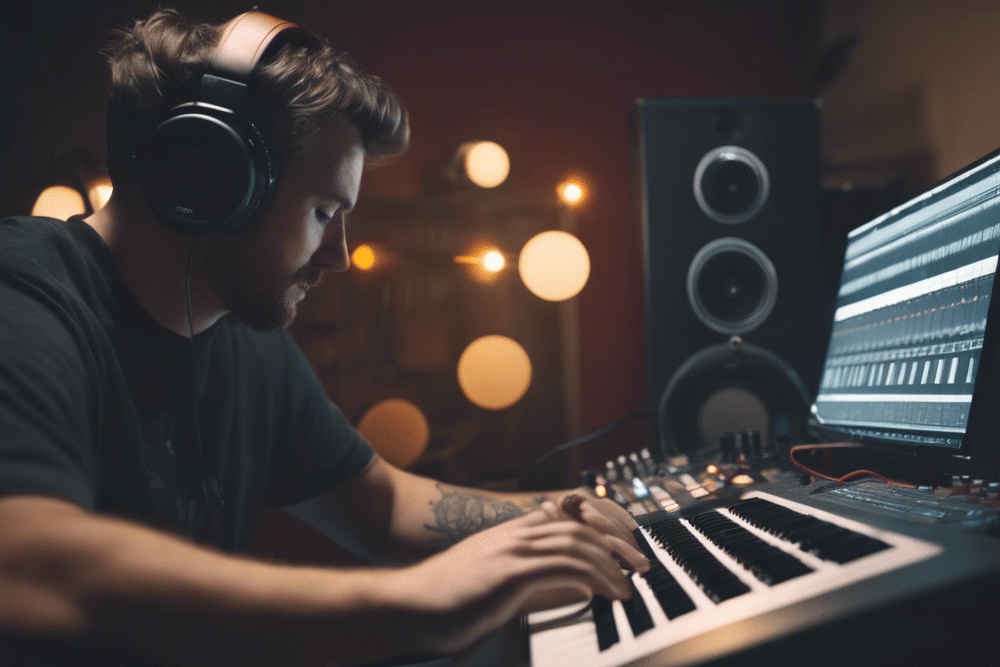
46,393
316,448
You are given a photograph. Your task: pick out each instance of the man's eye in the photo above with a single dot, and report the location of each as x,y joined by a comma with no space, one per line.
324,215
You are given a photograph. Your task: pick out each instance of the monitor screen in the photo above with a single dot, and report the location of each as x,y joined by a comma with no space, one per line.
911,315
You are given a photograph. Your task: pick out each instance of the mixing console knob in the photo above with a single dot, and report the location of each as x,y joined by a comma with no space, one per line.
638,465
626,470
648,461
727,443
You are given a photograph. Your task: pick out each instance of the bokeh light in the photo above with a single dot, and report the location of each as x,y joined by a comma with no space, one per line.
486,163
493,260
494,372
60,202
397,429
483,262
554,265
571,192
363,257
99,192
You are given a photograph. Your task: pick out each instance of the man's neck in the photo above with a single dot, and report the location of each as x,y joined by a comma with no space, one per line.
156,265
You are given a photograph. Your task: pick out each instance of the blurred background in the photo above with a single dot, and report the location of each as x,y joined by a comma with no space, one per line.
442,342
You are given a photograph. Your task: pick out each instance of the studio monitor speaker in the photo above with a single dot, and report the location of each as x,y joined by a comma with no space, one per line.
728,195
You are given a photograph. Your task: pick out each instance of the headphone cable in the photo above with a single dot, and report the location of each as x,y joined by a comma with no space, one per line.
210,486
194,359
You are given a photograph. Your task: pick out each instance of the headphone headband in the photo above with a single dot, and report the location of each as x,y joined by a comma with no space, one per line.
246,38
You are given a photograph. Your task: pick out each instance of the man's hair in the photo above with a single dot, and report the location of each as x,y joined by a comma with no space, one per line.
158,62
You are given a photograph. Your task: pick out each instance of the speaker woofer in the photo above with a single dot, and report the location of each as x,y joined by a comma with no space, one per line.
731,184
732,286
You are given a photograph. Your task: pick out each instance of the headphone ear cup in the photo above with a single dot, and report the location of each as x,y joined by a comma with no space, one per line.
205,170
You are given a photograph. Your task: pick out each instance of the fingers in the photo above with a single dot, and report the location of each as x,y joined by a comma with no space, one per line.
564,571
617,529
586,547
571,503
590,538
628,553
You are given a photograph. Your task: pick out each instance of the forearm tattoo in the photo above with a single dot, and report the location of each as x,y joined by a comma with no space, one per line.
459,513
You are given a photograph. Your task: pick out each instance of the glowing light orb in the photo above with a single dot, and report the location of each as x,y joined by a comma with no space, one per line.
493,261
554,265
397,430
60,202
486,164
363,257
494,372
570,192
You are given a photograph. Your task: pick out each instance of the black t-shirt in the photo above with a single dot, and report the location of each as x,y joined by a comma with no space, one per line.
102,406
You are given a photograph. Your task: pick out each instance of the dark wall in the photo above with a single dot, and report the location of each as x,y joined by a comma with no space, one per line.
552,81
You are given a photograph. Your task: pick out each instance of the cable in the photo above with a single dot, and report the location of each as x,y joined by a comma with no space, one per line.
194,356
210,487
582,440
849,477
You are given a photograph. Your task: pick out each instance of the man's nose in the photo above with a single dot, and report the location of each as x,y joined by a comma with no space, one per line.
332,253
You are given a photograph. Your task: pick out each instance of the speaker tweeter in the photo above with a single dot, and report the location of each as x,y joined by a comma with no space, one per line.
731,185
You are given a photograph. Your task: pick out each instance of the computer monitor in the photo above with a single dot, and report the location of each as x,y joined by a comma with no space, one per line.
912,329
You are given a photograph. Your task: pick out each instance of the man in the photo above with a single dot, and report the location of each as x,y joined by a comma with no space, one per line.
151,403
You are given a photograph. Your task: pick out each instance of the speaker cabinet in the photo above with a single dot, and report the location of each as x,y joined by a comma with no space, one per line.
728,193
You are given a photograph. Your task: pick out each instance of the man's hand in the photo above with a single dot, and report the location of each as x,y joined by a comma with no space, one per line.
609,518
541,559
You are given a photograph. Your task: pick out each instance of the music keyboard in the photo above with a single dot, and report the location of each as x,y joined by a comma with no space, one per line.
725,574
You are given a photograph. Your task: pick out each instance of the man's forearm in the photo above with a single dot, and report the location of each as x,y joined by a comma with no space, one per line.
391,515
459,512
66,572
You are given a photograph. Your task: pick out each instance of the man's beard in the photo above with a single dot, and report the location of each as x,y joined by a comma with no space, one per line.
256,291
261,307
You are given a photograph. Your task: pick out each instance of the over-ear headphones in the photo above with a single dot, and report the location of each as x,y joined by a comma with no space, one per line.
207,166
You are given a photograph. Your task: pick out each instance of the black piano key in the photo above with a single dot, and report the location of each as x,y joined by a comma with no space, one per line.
821,538
637,613
672,598
669,594
712,577
604,623
766,562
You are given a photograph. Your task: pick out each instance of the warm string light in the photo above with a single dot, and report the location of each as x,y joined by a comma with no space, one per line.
493,261
494,372
484,263
363,257
554,265
60,202
397,429
485,163
571,192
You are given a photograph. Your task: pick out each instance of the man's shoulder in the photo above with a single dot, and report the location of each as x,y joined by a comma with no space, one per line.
32,228
27,241
53,262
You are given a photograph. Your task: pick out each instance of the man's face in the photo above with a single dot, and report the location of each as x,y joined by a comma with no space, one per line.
261,275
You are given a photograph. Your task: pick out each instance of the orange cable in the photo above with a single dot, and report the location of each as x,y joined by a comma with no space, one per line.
851,476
